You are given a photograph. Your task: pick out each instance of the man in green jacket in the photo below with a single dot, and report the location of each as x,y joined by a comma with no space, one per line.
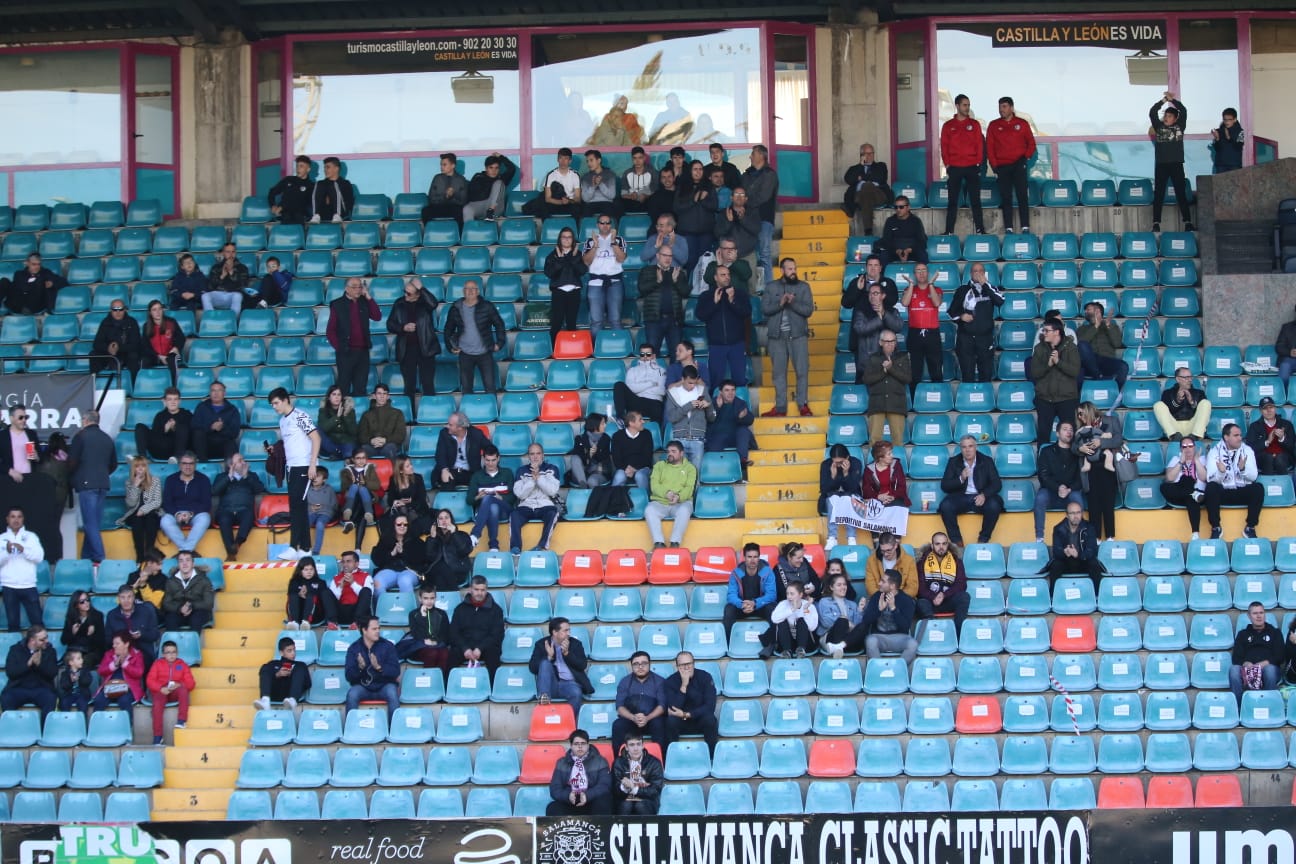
382,428
671,490
1055,369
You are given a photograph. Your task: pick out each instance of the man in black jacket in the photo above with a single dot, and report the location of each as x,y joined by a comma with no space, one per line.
348,333
1059,474
237,490
558,662
488,189
1167,144
973,313
168,437
971,485
866,187
458,452
477,629
637,779
1075,547
474,331
903,237
290,198
413,320
1273,439
31,668
1285,346
92,457
333,196
34,288
690,703
118,336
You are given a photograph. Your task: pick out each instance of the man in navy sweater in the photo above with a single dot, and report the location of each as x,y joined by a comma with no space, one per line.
186,501
726,309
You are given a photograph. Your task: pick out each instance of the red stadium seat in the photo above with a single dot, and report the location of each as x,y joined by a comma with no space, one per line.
538,762
1074,634
832,757
979,715
552,722
560,406
573,345
626,567
670,567
1121,793
713,564
1219,790
581,568
1169,792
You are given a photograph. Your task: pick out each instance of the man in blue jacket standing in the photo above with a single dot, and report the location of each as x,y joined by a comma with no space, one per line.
751,589
726,309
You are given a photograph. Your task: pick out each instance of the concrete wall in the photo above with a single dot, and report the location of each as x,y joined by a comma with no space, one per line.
217,115
854,101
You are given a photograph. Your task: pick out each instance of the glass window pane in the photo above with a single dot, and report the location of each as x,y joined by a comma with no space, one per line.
269,111
153,126
791,90
1208,69
72,93
677,88
911,87
1273,69
970,63
429,99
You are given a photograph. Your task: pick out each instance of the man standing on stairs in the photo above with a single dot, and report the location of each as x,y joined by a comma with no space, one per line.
962,149
301,444
787,305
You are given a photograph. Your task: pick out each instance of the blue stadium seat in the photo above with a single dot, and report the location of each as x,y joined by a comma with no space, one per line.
140,769
1120,712
244,805
128,807
307,768
1168,712
1216,751
1119,632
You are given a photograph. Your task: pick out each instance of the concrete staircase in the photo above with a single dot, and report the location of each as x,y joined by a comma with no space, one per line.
202,766
783,484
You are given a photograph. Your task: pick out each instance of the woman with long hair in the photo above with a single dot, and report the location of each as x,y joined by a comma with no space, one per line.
397,558
407,496
1097,440
83,628
695,213
304,589
564,267
143,506
163,339
449,554
338,428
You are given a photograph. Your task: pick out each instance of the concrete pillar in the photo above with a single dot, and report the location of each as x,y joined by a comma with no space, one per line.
854,99
220,124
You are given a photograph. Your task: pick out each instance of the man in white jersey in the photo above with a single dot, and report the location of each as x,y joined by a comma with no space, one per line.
301,443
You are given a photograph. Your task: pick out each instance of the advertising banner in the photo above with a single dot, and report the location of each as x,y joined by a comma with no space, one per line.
1116,33
55,402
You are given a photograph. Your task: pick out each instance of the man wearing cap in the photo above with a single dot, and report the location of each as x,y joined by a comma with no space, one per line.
1273,439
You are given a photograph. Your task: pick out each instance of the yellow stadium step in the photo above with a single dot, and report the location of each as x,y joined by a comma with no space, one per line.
812,232
229,716
772,493
790,425
818,366
253,641
224,677
789,509
795,460
191,737
789,441
817,391
266,600
829,218
827,274
225,695
239,657
265,618
826,250
192,803
270,578
791,525
194,758
199,778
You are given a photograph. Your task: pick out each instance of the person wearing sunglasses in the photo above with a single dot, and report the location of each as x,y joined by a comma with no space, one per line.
903,237
118,337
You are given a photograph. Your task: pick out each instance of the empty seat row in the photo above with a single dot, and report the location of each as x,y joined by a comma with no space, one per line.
1094,246
73,216
90,769
483,802
1015,276
75,807
1046,193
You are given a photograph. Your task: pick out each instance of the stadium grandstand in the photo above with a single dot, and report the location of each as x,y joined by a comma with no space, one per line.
354,183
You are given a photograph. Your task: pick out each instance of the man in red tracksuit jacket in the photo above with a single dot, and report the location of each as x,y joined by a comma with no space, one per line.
1010,144
963,152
